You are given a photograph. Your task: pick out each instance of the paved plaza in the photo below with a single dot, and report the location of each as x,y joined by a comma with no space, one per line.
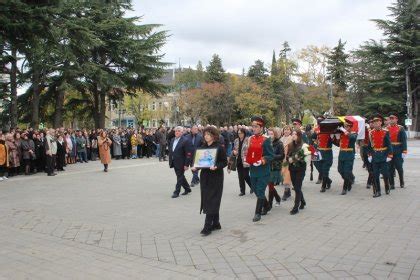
87,224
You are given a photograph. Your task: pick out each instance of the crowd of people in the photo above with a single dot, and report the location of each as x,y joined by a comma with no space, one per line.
262,157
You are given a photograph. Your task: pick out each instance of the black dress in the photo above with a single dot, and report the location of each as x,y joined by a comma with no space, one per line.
61,156
211,182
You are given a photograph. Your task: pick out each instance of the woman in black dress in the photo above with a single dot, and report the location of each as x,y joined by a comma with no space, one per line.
211,182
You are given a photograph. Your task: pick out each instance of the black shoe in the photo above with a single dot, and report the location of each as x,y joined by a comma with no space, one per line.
186,192
402,186
322,190
256,218
175,195
105,170
241,194
376,195
344,192
387,191
205,231
294,211
368,186
302,205
192,185
266,207
52,174
216,226
392,187
329,184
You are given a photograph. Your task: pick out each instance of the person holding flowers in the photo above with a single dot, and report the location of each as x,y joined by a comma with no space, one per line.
297,156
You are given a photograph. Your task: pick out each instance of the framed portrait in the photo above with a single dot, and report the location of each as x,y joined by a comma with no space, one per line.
205,157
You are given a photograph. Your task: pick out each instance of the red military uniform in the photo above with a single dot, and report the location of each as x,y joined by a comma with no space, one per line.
255,149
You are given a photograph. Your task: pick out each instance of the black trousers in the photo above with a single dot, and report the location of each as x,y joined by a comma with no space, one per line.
211,219
50,164
61,160
243,175
297,177
181,181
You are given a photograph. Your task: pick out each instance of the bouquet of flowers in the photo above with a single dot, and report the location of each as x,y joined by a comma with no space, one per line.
299,157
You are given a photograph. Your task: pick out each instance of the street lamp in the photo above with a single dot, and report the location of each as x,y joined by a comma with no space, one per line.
409,120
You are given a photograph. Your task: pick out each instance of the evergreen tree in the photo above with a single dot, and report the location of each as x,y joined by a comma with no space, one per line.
214,71
379,70
338,66
274,69
257,72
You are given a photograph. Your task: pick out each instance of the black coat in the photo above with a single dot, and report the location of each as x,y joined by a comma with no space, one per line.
197,142
182,155
279,155
211,182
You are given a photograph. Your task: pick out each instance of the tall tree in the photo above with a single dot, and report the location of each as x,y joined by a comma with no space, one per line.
214,71
338,66
258,72
274,64
379,70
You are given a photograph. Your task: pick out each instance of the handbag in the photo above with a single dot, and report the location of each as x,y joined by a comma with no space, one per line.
232,163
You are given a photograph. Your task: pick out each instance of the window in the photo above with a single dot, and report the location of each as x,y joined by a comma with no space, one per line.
130,123
154,123
160,105
154,106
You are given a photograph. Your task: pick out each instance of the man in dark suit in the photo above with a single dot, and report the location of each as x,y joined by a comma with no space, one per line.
180,157
195,138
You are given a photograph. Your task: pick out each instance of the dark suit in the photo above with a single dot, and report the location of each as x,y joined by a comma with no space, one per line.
196,141
178,159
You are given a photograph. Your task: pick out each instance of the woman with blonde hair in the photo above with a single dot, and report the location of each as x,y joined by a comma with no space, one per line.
286,139
104,151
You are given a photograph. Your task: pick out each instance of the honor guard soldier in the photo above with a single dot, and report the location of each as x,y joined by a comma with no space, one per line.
365,153
347,144
323,145
380,153
399,150
259,154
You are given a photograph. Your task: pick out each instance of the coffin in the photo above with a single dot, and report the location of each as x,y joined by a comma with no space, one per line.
330,125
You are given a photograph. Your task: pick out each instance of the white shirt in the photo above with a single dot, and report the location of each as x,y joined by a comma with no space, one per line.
176,140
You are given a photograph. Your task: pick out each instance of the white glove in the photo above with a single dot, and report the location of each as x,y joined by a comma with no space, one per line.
388,159
404,155
337,136
342,129
370,159
258,163
331,136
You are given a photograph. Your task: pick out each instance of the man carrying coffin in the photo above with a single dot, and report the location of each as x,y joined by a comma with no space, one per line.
380,154
347,144
399,149
323,145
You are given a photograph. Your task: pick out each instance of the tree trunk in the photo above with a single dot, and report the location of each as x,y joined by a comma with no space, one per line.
59,104
102,108
13,91
36,89
96,105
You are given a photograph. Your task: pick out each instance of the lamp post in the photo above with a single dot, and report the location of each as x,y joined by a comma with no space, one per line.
409,99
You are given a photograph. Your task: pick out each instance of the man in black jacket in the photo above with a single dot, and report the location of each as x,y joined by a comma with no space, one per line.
180,156
196,140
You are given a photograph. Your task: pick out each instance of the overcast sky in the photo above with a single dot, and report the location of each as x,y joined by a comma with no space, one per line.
242,31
